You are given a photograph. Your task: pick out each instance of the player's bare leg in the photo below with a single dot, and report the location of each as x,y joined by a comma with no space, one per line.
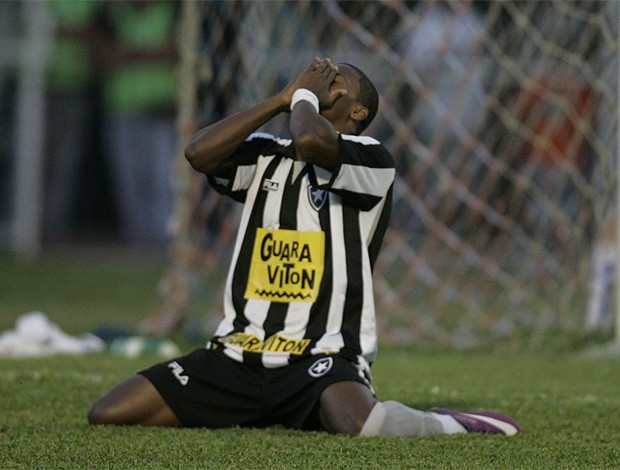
345,406
134,401
350,408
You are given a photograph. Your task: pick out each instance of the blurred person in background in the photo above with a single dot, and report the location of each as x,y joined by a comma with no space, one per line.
9,31
139,56
444,51
70,116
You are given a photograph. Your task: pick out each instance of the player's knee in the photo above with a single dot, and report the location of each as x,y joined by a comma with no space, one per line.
99,413
341,422
345,406
95,414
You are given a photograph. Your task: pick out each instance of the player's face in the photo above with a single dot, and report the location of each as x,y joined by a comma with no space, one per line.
346,79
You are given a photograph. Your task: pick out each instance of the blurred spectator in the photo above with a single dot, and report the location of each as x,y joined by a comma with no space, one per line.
70,120
10,29
139,136
444,50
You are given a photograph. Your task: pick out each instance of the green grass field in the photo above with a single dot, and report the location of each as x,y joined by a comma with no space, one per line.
568,403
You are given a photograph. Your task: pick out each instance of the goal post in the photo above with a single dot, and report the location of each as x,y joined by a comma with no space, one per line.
502,117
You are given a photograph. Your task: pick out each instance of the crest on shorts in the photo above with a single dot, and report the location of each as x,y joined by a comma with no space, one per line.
317,197
321,367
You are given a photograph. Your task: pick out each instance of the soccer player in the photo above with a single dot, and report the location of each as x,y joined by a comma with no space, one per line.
299,333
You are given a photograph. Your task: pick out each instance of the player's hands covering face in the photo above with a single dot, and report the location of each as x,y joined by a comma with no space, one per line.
321,78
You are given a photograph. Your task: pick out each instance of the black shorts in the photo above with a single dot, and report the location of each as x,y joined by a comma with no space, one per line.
206,388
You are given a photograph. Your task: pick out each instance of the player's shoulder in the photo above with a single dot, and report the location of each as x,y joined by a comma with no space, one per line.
260,143
369,150
360,139
265,136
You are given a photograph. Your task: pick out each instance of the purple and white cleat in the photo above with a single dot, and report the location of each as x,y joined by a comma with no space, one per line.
486,422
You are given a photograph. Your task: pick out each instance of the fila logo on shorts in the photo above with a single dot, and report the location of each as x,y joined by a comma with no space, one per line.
321,367
177,370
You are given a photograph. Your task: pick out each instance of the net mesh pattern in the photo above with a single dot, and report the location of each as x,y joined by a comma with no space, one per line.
502,118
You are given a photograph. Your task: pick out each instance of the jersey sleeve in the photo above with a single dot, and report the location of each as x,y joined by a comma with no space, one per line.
244,158
365,174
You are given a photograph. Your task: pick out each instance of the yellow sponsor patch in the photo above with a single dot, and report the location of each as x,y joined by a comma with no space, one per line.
287,266
275,343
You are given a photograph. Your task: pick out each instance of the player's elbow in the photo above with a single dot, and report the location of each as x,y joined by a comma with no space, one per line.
198,158
193,156
208,161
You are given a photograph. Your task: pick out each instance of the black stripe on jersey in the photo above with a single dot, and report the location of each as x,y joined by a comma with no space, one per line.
354,299
319,311
257,143
364,201
290,200
223,186
288,221
382,225
242,269
365,151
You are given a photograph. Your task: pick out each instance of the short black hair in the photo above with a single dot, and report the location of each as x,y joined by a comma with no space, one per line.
369,97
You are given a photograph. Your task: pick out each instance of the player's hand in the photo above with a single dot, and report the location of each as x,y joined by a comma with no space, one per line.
319,78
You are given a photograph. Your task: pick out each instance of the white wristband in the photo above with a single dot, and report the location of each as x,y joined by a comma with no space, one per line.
303,94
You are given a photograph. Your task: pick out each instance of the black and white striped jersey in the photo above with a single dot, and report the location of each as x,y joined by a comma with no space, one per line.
300,280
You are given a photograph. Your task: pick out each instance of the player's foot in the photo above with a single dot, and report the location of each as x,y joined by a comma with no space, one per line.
487,422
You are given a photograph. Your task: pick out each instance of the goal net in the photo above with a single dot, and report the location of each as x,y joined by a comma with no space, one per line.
502,118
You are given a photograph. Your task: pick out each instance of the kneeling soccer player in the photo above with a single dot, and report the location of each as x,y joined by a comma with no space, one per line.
299,329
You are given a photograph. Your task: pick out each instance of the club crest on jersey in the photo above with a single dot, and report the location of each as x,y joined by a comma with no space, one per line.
321,367
317,197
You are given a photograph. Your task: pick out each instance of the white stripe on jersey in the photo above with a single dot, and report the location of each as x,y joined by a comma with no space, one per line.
244,176
360,179
257,310
368,327
271,217
333,342
362,139
339,286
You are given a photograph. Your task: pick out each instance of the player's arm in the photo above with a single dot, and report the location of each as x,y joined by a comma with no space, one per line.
210,148
315,138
